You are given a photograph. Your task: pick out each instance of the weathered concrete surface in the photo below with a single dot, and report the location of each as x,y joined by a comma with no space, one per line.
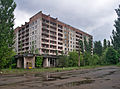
98,78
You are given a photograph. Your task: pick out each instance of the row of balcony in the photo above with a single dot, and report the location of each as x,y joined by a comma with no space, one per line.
52,23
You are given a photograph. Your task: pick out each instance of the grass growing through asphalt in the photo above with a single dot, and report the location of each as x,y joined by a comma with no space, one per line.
40,70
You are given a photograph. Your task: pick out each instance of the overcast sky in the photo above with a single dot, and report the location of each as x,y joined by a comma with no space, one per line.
95,17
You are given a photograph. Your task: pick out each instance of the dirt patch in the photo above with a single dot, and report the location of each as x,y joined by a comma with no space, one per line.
76,83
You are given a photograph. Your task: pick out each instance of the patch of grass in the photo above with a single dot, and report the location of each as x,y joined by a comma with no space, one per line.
40,70
118,64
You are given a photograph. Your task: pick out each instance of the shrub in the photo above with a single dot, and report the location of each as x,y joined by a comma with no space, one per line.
63,61
39,61
73,59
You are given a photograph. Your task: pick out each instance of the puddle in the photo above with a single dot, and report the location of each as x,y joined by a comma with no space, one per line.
104,75
76,83
107,79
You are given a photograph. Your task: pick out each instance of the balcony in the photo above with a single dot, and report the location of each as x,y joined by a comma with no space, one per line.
45,51
52,47
44,35
52,42
52,33
52,52
60,39
44,25
53,37
60,35
60,43
60,47
59,30
45,40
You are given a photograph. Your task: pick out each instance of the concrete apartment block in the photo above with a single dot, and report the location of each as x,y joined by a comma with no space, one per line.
47,36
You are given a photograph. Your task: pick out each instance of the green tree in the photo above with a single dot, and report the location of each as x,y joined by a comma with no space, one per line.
115,38
104,44
37,51
86,58
80,50
97,48
33,48
73,59
108,43
39,61
90,45
94,60
63,61
6,30
111,56
81,59
86,45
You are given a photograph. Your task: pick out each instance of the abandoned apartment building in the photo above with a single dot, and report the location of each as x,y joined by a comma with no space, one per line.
47,35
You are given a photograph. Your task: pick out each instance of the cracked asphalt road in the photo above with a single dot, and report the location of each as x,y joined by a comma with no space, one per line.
107,77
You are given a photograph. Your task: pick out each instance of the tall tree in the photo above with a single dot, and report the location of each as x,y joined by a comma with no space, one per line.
108,43
6,30
80,50
115,39
90,45
98,48
104,44
86,45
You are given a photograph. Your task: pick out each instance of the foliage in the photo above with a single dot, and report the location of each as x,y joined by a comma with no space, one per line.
115,38
108,43
81,60
73,59
37,51
63,61
86,45
81,45
94,60
104,44
97,48
86,57
90,45
111,56
6,30
80,50
39,61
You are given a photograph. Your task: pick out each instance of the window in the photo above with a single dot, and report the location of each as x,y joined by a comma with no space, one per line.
36,22
32,28
32,37
65,48
33,33
35,36
35,26
35,41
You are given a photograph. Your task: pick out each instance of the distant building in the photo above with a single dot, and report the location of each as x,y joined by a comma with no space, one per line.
47,36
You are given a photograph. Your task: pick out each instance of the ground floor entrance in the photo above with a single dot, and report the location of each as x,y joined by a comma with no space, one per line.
28,61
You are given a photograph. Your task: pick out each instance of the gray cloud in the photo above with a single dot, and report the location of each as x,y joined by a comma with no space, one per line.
93,16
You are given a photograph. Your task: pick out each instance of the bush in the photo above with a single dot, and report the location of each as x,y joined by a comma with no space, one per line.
94,60
39,61
73,59
63,61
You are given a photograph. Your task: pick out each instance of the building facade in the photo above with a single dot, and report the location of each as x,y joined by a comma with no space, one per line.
46,35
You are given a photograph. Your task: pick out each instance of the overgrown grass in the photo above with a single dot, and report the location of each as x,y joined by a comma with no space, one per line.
118,64
40,70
